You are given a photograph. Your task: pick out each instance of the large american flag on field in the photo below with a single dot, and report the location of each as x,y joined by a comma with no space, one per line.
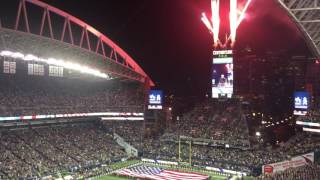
156,173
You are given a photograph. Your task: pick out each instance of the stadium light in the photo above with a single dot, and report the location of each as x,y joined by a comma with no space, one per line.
6,53
308,123
17,55
311,130
56,62
30,57
258,134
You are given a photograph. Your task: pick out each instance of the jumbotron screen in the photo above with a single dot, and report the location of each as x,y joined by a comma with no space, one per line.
222,74
155,99
301,102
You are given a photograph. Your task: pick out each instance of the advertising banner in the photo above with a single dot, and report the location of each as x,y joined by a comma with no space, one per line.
292,163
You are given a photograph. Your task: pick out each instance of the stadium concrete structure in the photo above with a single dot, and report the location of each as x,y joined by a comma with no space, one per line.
88,46
95,46
306,15
63,148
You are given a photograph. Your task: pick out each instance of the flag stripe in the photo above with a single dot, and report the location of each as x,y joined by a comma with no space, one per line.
156,173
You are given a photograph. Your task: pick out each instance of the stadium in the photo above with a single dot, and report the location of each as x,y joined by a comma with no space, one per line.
75,105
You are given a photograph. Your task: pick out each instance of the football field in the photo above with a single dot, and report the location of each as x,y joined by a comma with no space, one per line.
110,177
213,175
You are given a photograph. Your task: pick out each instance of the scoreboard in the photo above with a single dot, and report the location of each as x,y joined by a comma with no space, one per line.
301,103
155,99
222,74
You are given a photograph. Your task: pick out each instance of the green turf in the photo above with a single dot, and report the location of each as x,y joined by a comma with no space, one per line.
214,176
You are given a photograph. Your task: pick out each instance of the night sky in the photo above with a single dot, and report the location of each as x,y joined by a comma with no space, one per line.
169,41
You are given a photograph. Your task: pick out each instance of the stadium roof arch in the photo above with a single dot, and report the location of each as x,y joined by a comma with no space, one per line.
91,44
306,15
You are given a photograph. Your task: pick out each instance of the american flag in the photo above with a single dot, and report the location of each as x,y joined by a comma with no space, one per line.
156,173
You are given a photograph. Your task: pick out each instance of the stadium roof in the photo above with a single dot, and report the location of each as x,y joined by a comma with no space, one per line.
306,15
90,43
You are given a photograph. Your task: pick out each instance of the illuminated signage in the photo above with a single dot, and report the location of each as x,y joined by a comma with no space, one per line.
155,99
301,102
222,74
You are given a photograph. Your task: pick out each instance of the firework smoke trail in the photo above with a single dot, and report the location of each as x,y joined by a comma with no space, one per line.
214,24
233,20
206,22
241,17
215,7
236,16
236,20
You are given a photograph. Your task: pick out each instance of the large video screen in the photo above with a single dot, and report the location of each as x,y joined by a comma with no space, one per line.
222,74
301,102
155,99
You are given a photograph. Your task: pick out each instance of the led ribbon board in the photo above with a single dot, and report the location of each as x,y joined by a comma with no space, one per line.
113,115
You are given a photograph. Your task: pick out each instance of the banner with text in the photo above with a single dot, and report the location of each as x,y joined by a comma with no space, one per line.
292,163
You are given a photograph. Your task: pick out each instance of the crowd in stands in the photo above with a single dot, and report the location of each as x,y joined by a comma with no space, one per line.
313,114
131,131
235,157
221,121
306,172
81,148
47,150
40,151
231,158
301,143
46,95
78,147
